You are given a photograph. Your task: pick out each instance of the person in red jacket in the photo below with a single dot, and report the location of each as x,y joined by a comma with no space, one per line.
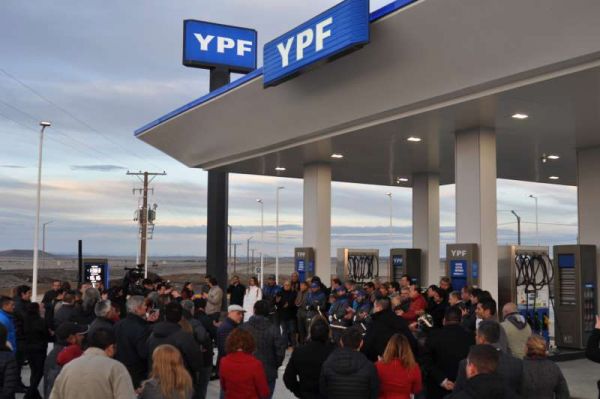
398,372
242,375
417,305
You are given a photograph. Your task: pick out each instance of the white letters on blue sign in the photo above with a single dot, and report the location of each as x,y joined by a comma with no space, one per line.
224,43
303,40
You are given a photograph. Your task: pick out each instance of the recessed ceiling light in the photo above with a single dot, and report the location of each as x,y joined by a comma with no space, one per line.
553,157
337,156
401,180
520,116
280,169
413,139
554,178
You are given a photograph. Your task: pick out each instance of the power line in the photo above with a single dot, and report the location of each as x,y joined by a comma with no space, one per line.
74,117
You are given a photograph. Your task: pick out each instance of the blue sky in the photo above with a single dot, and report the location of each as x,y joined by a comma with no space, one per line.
100,69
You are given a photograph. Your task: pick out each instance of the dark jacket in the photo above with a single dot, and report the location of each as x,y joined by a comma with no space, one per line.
132,350
36,334
270,344
226,327
101,322
19,316
592,351
9,375
383,325
444,349
286,305
82,315
348,374
151,390
51,368
469,321
170,333
304,369
236,293
482,386
510,369
542,378
63,314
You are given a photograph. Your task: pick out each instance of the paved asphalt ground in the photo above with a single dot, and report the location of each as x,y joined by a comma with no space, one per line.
580,374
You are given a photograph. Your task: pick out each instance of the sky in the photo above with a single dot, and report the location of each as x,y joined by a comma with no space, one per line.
100,69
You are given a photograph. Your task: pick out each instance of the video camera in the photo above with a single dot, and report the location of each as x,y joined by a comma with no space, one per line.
133,280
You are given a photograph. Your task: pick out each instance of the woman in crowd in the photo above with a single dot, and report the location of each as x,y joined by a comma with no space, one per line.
253,295
542,378
242,375
169,378
35,348
9,375
399,373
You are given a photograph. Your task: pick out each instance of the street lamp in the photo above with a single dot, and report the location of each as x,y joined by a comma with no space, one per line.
518,226
277,234
391,214
537,226
262,221
36,235
44,242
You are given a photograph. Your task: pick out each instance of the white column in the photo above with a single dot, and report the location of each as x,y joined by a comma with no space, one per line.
426,224
476,219
588,204
317,216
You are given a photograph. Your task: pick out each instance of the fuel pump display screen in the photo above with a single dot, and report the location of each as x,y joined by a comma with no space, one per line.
96,272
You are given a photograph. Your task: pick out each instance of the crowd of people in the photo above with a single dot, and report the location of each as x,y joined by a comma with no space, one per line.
346,340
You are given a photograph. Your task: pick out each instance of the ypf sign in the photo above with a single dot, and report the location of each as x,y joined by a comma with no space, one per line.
337,31
209,45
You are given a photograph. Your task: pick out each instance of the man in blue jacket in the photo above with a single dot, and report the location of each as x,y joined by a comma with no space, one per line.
7,308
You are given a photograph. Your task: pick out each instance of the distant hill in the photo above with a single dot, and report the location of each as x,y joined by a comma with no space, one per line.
23,253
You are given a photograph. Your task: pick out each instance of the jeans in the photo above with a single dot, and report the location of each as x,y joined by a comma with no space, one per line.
301,324
36,364
288,328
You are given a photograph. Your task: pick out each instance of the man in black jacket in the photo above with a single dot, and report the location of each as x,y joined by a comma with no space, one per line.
444,349
236,292
510,369
304,367
384,324
347,373
170,332
132,333
105,314
270,344
483,382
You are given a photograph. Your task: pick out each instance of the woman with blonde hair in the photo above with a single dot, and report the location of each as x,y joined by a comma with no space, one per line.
253,295
542,378
399,373
169,378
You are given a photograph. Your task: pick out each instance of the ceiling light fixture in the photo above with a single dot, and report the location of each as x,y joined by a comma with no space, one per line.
554,178
520,116
280,169
337,156
401,180
413,139
553,157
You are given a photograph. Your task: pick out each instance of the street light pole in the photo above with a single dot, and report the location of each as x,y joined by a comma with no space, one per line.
537,226
518,226
248,255
262,222
44,242
36,235
277,234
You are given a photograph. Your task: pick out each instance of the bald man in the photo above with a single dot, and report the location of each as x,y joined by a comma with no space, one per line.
516,330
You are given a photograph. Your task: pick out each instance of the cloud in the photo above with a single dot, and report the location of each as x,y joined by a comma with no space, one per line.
98,168
12,166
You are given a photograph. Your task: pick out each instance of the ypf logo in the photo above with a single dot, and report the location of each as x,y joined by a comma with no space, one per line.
223,44
304,40
458,252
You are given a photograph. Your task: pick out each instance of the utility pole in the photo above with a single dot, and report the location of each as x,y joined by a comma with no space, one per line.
235,245
248,253
143,219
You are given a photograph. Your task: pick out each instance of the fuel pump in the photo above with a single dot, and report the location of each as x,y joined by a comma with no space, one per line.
462,264
304,263
405,261
360,265
96,272
576,293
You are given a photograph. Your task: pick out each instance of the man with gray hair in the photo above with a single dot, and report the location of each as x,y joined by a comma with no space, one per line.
105,316
132,333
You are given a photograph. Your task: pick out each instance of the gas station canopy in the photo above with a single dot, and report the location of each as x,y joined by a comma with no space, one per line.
431,69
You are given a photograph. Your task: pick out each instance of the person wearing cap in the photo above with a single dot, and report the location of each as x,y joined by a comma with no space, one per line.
339,316
300,303
360,300
270,291
286,312
235,316
315,302
67,334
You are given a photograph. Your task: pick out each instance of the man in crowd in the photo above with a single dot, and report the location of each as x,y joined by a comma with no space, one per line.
417,305
95,374
483,382
132,333
50,295
65,310
270,344
214,299
516,330
22,299
486,310
405,281
105,316
437,307
7,308
236,292
68,334
235,316
445,286
347,373
444,349
510,369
